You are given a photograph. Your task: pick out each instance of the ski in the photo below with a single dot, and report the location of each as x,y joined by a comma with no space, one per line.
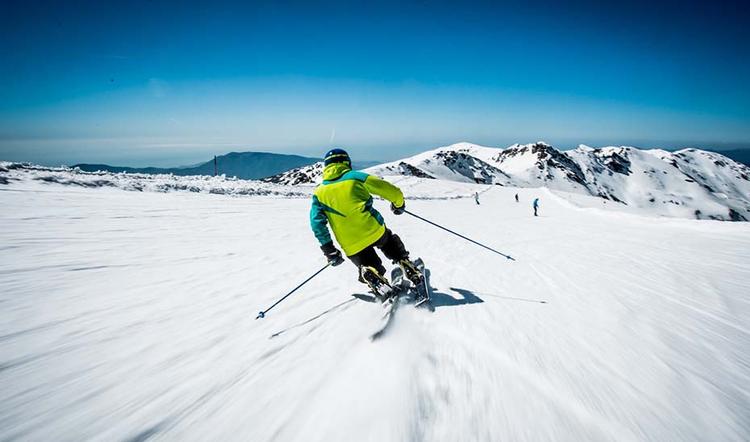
391,304
422,287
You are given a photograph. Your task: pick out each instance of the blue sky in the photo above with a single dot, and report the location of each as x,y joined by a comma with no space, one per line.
167,83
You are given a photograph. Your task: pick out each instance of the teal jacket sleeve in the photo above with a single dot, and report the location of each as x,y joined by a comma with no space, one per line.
319,222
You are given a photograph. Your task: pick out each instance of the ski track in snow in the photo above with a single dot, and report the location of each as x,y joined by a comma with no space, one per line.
130,316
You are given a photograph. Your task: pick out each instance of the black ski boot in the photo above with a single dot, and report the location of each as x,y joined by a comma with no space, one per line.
379,285
411,271
414,272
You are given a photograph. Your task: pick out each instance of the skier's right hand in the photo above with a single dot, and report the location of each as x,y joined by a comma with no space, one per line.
333,255
398,210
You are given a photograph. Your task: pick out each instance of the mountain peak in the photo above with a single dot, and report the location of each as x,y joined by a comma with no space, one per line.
463,145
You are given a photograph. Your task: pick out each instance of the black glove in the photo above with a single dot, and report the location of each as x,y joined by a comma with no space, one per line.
398,210
333,255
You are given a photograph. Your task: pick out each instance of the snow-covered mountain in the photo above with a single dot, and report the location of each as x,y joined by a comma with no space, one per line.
531,165
535,165
689,183
453,164
309,174
685,183
461,162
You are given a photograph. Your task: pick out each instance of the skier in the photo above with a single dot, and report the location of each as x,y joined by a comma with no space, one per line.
536,206
476,197
516,197
344,199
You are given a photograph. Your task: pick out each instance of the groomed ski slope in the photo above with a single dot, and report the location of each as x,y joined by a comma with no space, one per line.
130,316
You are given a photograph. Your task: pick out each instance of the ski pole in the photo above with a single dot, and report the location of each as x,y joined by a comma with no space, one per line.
459,235
262,314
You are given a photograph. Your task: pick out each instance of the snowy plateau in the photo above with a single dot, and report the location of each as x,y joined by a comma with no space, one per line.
128,304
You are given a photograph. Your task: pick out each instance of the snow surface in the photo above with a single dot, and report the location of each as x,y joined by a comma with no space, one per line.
130,316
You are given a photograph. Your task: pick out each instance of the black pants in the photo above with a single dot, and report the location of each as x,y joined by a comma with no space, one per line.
391,246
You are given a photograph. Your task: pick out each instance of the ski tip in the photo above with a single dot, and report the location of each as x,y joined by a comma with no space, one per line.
511,258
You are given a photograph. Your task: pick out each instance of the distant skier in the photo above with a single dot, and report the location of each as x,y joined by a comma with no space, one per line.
476,197
344,199
516,197
536,206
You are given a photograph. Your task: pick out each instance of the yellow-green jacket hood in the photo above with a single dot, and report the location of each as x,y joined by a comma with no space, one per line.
335,170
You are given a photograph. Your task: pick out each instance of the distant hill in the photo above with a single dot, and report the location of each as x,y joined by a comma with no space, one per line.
244,165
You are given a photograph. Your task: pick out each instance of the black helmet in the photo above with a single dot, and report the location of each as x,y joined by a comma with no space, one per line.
337,156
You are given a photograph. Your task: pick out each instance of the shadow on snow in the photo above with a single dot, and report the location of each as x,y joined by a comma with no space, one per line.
440,299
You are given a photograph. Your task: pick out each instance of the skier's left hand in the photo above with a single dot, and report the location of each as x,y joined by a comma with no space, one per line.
398,210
